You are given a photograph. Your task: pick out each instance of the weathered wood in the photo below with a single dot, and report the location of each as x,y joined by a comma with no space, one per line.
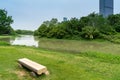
33,66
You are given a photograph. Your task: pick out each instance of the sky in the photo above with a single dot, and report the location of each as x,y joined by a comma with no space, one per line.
29,14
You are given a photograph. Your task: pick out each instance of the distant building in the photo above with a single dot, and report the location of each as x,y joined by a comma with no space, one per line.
106,7
64,19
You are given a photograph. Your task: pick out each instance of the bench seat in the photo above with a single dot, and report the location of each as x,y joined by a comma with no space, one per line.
33,66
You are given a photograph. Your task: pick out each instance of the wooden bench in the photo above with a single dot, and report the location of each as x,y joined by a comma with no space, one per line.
33,66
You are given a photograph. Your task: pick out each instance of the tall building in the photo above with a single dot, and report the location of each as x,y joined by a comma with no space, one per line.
64,19
106,7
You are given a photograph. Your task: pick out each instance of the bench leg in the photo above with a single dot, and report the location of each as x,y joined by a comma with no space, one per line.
47,73
33,74
21,66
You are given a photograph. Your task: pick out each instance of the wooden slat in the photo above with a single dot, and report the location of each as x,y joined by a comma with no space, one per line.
38,68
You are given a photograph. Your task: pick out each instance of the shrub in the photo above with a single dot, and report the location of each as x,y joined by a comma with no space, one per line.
117,27
90,32
107,29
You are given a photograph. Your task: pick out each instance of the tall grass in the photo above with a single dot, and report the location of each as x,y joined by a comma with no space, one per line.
80,46
111,58
3,43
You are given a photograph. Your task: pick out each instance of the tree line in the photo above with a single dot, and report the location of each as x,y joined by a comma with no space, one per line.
88,27
5,25
24,32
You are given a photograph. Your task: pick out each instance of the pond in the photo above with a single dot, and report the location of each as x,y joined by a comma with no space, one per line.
27,40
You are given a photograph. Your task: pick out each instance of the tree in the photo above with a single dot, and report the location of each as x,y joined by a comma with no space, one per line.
96,20
114,20
42,30
107,30
54,21
5,22
84,22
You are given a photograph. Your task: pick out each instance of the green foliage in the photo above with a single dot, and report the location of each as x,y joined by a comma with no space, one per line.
89,27
90,32
42,30
5,22
36,33
114,20
96,20
117,27
3,43
26,32
84,21
113,38
52,32
107,30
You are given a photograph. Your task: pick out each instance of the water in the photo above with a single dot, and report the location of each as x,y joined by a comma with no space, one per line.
27,40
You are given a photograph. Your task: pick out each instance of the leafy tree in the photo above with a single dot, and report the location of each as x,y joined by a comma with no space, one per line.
47,23
117,27
89,27
54,21
107,30
96,20
42,30
84,22
36,33
114,20
74,25
5,22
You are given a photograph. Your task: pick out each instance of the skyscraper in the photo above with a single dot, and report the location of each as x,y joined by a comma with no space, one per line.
64,19
106,7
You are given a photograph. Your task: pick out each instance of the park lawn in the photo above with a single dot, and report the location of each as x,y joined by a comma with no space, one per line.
61,65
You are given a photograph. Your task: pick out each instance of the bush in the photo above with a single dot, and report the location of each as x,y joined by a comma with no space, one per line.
117,27
90,32
36,33
107,30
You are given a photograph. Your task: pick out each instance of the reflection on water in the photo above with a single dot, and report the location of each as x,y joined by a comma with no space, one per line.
27,40
5,39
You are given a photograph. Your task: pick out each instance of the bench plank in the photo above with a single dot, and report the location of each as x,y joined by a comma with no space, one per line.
37,68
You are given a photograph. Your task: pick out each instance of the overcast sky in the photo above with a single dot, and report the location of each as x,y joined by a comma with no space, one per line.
29,14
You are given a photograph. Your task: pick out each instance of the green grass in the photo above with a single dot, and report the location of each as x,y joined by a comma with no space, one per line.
61,65
1,37
96,60
4,40
4,43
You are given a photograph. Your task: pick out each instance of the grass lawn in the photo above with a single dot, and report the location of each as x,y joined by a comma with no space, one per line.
1,37
62,65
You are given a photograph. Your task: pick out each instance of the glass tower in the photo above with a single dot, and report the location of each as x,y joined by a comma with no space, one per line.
64,19
106,7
